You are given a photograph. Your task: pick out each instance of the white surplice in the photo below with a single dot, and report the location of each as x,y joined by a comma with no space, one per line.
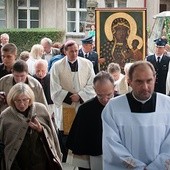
64,81
138,139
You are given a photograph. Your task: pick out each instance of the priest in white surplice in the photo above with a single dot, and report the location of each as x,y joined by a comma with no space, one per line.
71,80
136,126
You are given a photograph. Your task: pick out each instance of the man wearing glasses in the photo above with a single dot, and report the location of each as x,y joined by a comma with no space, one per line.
85,137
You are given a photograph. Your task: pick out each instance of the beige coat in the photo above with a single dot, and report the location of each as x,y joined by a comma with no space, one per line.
13,127
6,84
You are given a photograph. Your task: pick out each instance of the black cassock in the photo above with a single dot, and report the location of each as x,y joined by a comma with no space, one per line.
85,136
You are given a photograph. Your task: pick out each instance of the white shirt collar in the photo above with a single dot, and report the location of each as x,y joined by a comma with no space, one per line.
158,56
50,53
85,53
142,101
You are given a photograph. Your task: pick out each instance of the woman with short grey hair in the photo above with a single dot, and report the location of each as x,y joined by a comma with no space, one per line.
28,133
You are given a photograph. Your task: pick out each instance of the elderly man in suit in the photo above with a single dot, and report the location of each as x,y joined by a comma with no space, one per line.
71,84
161,64
49,51
87,52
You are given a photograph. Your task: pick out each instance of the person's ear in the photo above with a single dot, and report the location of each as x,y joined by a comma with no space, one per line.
129,82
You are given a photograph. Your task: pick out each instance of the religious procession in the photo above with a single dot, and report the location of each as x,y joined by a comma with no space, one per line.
96,98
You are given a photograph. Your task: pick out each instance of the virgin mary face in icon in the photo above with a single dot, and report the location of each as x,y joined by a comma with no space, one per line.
121,33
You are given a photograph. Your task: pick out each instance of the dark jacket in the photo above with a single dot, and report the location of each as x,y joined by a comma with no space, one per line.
161,72
85,136
45,82
93,57
3,71
55,51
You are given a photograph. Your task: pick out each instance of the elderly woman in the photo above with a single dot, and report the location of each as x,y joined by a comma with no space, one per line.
28,133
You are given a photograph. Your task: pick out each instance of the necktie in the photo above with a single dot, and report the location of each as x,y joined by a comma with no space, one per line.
158,59
85,55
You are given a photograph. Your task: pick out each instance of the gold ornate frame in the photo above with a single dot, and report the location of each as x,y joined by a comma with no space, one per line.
106,21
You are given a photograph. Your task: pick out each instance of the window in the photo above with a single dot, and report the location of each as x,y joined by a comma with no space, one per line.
76,16
2,14
122,3
116,3
28,13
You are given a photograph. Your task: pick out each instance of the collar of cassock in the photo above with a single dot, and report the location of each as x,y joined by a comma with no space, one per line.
139,107
73,66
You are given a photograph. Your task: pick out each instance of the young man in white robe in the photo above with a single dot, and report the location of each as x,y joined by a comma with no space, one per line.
136,126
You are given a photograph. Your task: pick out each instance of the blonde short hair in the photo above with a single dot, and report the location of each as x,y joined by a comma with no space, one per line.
16,90
36,51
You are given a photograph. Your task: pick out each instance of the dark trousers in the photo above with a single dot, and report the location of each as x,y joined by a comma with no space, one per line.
62,140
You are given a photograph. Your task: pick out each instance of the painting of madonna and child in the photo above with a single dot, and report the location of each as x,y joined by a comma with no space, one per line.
120,36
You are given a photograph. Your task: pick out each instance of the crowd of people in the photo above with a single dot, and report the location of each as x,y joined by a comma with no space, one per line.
56,105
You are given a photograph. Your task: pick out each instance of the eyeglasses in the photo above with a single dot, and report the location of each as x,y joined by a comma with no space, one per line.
19,101
102,96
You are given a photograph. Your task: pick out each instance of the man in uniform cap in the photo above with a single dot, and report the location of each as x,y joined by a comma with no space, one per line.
87,40
161,64
87,52
161,42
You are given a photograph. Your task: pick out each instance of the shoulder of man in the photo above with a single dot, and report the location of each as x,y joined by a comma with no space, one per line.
55,51
166,57
93,55
1,64
84,60
33,82
7,78
163,97
150,57
60,62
